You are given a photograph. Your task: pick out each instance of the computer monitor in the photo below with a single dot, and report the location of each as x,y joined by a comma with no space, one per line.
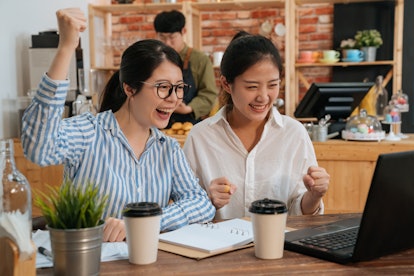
337,99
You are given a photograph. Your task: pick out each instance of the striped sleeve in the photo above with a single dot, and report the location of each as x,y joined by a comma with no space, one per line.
190,202
46,138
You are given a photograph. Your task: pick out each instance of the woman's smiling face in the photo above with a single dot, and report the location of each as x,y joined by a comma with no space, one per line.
254,91
147,108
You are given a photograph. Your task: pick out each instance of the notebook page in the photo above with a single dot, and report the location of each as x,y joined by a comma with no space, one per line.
211,237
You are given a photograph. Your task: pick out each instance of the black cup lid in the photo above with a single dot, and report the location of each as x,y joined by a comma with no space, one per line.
142,209
268,206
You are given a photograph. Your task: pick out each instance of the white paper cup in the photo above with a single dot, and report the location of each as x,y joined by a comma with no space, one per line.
142,224
217,56
269,223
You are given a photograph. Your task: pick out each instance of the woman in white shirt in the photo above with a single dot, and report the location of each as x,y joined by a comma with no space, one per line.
248,150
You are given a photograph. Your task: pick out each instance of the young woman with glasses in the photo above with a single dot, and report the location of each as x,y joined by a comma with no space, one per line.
120,149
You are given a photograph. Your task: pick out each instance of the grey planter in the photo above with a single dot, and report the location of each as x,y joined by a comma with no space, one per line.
76,251
370,53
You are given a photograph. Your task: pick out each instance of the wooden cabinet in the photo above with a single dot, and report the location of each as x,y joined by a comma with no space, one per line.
38,177
351,165
296,77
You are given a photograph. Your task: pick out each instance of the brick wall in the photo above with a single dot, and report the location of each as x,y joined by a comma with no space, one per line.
219,26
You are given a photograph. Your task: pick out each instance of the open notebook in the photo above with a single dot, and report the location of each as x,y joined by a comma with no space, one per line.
211,238
386,225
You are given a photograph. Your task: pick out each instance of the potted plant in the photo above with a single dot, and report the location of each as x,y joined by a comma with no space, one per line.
74,220
368,41
346,44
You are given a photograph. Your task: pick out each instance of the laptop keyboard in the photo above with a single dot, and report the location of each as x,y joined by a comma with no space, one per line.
334,241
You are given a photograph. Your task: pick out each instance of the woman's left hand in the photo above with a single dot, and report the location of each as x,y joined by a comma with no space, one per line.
316,181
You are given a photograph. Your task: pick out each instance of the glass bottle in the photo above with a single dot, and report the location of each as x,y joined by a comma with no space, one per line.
381,97
15,198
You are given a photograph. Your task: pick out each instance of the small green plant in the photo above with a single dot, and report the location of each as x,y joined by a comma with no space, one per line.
68,207
368,38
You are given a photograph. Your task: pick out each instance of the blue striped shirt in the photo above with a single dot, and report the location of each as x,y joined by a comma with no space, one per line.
95,149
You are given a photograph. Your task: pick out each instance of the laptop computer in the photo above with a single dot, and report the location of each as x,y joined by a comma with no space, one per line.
385,226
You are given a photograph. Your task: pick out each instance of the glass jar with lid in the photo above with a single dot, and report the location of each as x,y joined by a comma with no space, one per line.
400,100
363,127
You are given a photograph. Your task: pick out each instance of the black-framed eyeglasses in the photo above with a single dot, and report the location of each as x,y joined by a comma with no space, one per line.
165,88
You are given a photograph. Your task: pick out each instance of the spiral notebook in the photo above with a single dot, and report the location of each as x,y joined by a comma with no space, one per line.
211,238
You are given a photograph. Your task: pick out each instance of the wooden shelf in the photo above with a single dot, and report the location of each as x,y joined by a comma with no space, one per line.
123,8
306,2
296,77
345,64
239,4
100,27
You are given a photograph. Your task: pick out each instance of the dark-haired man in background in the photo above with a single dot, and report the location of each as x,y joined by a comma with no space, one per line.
198,69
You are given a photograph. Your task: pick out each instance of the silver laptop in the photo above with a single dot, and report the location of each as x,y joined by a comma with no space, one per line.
386,225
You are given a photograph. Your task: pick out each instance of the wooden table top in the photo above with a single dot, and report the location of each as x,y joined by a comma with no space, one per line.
243,262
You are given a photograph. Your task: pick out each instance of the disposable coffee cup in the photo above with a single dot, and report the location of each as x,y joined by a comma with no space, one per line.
269,222
142,224
217,56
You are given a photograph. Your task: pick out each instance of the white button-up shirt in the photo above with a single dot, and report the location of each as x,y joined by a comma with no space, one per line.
273,169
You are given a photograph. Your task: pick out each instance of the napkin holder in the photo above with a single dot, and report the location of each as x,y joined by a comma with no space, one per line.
10,263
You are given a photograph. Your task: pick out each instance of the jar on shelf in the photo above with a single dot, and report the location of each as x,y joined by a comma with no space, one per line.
363,127
392,117
400,100
392,113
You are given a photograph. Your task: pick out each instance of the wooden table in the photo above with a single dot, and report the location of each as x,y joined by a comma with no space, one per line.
351,165
243,262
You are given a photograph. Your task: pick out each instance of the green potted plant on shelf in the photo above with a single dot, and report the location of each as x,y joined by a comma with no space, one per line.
368,41
74,219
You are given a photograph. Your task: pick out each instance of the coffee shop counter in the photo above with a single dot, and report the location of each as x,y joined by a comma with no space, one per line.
351,165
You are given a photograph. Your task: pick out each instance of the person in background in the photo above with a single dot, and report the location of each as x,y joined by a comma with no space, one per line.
198,69
248,150
120,150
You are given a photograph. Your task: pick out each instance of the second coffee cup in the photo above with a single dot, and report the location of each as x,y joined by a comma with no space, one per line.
354,54
269,223
142,224
330,55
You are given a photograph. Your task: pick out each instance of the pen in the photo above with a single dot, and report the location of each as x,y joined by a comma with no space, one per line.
45,252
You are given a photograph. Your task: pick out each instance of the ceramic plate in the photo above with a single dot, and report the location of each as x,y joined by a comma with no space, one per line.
352,60
305,61
329,60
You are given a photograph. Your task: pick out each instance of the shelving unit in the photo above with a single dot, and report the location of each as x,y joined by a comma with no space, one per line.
100,28
100,22
294,79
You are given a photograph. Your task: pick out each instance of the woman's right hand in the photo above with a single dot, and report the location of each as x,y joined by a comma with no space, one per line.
220,191
71,22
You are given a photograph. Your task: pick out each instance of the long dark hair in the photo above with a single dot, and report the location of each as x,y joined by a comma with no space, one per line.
137,64
242,53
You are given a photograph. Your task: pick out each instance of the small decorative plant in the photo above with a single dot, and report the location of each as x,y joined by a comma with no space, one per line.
347,44
68,207
368,38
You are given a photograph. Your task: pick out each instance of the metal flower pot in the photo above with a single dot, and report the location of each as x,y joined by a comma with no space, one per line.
370,53
76,251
